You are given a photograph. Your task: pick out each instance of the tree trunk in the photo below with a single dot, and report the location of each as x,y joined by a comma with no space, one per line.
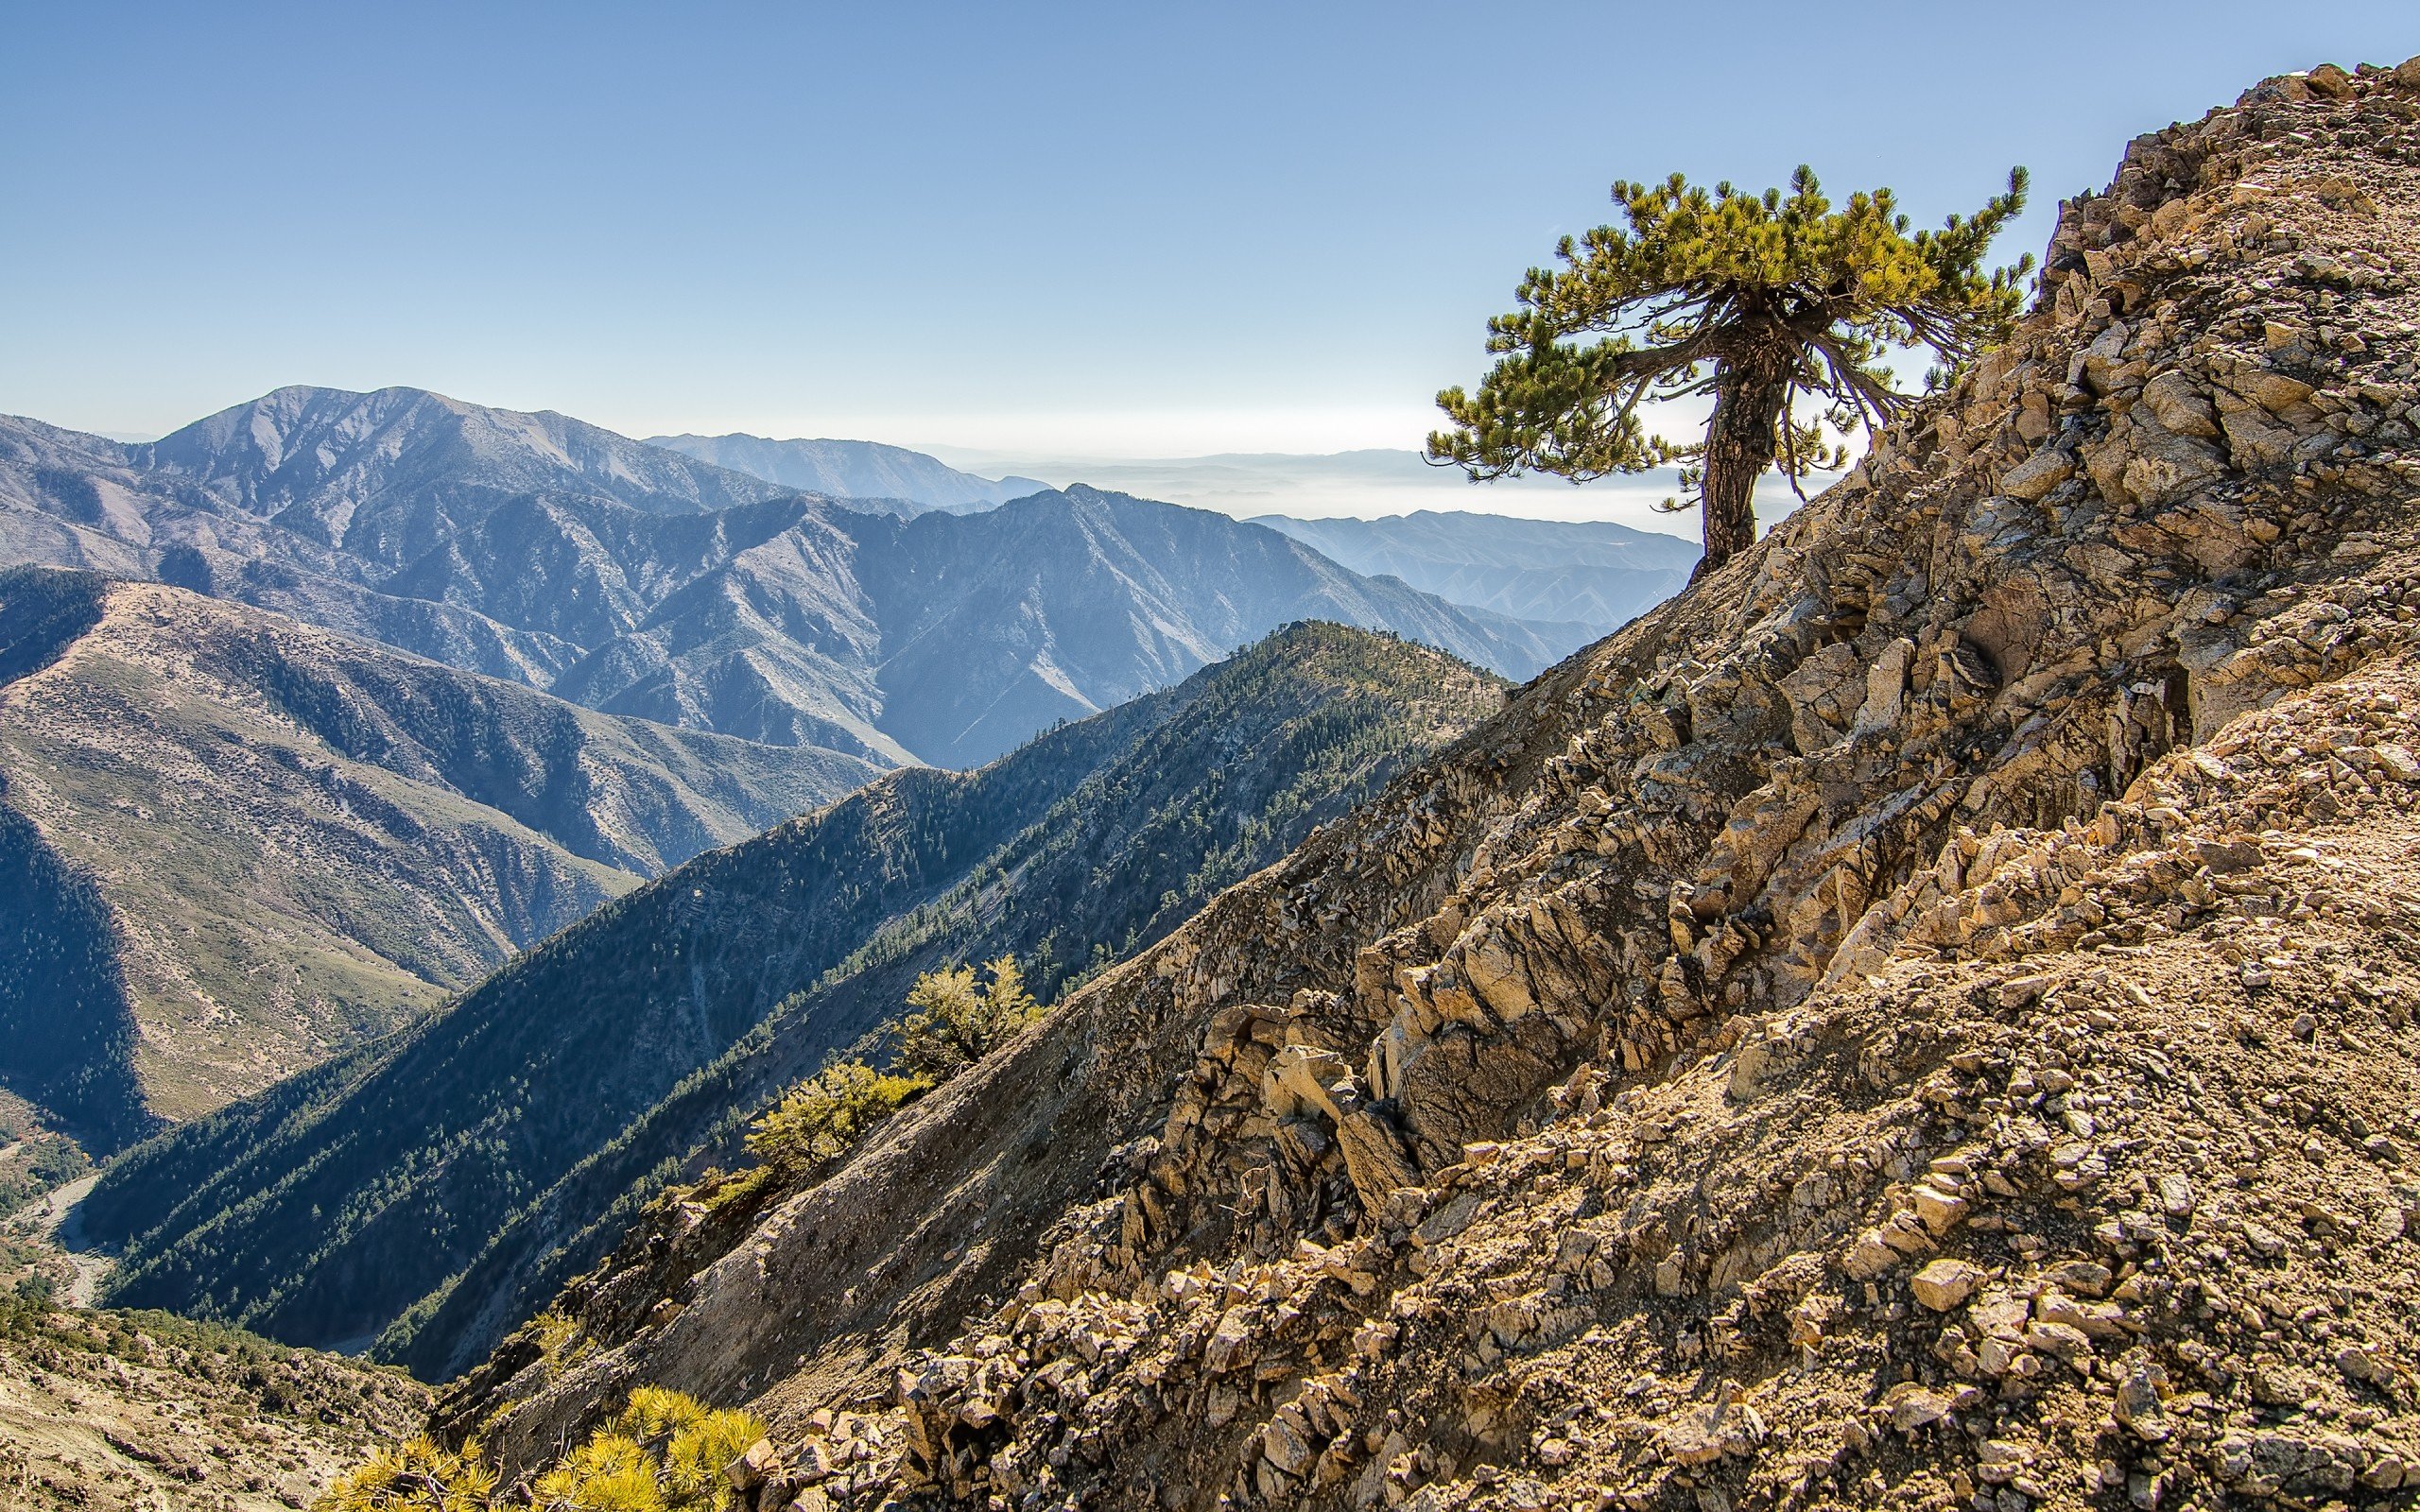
1740,442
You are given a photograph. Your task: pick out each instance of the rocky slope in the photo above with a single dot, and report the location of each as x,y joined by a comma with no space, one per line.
635,580
855,470
1925,1018
443,1188
239,845
145,1410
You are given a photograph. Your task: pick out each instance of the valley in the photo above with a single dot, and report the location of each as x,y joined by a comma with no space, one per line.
257,822
451,1179
547,971
244,845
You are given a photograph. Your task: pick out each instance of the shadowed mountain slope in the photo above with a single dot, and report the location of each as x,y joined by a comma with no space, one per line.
286,842
506,1134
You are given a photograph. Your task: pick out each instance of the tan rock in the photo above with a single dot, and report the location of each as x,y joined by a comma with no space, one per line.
1868,1257
2140,1407
1940,1210
2034,477
1284,1445
1945,1283
1703,1434
1913,1406
754,1465
1375,1157
1998,1461
1299,1081
1496,975
2061,1341
1230,1347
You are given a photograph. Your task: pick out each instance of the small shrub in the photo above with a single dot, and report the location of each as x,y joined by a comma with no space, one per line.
557,1337
666,1452
417,1474
825,1115
955,1024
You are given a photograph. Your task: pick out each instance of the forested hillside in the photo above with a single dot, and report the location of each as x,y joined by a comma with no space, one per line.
453,1178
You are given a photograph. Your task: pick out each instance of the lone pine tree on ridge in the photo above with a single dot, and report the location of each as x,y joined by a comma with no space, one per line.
1758,299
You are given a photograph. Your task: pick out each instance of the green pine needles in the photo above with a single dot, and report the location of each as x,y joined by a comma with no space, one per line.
666,1452
956,1023
1759,301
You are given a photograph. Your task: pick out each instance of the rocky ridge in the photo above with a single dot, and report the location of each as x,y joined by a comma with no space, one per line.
1924,1018
854,470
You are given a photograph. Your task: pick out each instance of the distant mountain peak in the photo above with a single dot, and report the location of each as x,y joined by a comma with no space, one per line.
640,580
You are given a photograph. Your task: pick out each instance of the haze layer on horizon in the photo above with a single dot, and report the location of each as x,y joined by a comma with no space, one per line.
1114,233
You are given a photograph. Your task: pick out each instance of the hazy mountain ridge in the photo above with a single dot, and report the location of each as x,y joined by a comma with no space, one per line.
637,581
297,841
1593,576
1115,828
375,473
860,471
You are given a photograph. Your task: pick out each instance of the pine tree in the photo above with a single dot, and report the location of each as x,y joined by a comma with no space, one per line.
1757,300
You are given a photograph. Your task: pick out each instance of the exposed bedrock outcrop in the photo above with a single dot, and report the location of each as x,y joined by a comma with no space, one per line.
1924,1017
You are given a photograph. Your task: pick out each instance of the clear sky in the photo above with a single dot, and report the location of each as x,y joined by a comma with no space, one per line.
1128,229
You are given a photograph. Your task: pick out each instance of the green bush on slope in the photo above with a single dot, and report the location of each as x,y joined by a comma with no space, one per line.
666,1452
956,1023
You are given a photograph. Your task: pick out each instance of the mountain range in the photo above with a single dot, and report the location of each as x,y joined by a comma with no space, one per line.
248,844
440,1186
1593,575
1921,1019
635,580
866,472
1924,1018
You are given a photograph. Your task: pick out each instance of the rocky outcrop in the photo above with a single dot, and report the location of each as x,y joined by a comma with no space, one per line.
1921,1019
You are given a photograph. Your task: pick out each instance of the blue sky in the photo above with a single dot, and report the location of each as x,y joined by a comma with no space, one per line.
1115,230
